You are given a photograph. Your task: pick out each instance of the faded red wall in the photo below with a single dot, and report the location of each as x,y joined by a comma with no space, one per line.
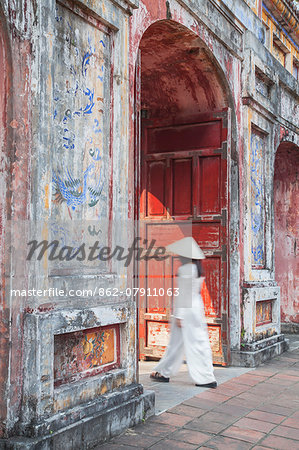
15,139
286,207
4,206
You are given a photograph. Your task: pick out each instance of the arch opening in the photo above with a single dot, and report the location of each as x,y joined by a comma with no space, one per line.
179,78
286,206
183,180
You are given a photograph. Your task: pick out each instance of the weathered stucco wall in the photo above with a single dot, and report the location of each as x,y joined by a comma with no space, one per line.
65,99
286,206
69,169
15,151
267,121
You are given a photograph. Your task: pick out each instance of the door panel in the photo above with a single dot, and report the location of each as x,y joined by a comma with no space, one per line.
166,232
212,267
207,234
156,188
156,283
210,181
185,137
184,185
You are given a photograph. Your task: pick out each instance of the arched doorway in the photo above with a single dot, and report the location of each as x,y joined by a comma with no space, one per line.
183,151
286,207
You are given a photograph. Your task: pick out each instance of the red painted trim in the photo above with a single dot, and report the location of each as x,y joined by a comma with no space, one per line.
6,159
110,195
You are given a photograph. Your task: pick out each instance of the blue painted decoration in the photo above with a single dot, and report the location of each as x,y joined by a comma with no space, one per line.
78,120
257,200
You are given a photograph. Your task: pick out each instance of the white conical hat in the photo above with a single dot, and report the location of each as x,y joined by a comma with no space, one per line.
187,247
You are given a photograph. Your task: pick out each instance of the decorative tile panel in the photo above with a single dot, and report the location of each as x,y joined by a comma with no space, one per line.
263,312
257,200
85,353
215,338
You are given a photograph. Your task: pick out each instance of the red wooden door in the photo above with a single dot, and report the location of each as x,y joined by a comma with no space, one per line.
184,192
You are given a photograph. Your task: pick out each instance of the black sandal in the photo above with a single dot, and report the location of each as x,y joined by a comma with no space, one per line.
158,377
212,385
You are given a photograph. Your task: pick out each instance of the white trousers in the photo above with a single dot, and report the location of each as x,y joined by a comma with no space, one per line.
193,339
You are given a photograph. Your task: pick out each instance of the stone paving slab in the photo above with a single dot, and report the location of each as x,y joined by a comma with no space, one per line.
257,410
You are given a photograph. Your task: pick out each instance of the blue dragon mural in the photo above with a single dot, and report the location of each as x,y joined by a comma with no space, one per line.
74,191
87,189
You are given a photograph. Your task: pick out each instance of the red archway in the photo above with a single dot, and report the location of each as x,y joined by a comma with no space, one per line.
183,180
286,206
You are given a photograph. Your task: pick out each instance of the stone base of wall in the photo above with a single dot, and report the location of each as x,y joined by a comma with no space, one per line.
258,352
85,433
290,328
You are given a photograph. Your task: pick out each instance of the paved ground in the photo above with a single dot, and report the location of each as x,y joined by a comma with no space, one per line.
181,387
256,410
